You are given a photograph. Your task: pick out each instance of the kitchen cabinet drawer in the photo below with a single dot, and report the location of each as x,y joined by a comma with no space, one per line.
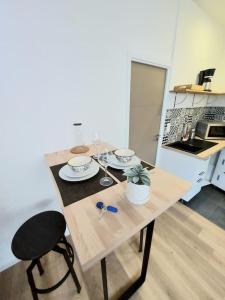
187,167
200,171
183,165
195,189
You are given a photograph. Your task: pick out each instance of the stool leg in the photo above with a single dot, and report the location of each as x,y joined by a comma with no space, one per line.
40,268
67,248
31,280
70,266
141,240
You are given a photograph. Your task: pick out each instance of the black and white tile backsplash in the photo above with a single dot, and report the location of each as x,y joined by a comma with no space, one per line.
178,116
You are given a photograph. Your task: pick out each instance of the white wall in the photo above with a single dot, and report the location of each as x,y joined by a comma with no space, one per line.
65,61
200,44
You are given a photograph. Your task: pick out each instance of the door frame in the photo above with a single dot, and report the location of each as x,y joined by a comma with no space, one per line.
164,103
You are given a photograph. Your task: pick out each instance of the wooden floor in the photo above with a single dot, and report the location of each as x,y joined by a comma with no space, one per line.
187,263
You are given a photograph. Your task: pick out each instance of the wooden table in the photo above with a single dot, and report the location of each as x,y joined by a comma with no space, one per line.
95,238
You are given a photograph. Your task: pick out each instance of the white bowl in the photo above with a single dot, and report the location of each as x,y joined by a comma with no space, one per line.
124,155
79,163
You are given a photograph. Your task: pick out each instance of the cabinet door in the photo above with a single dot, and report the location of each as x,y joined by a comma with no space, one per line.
219,173
219,181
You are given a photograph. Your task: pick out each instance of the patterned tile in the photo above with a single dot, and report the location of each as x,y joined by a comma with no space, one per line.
179,116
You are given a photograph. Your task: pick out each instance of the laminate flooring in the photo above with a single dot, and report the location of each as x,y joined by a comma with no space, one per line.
187,263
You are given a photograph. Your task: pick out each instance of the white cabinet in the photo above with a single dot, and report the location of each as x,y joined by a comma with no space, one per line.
218,178
187,167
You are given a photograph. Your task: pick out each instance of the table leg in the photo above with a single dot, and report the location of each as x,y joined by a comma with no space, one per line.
137,284
104,279
141,240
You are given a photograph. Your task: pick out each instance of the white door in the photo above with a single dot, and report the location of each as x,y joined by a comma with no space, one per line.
146,99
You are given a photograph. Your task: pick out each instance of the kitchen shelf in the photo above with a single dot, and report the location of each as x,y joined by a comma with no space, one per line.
197,92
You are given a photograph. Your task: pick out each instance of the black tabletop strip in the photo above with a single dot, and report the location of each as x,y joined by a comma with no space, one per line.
74,191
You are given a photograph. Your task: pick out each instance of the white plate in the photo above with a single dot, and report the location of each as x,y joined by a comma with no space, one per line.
95,171
70,173
114,163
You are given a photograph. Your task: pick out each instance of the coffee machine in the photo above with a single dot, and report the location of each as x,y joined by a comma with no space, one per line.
205,79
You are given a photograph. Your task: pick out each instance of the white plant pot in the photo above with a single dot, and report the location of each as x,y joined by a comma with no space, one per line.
137,194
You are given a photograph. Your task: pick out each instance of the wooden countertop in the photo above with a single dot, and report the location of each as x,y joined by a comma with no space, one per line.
62,156
204,154
95,238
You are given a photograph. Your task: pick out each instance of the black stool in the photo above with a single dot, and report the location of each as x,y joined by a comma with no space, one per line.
35,238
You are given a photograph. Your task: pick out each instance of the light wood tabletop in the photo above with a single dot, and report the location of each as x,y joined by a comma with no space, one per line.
95,238
63,156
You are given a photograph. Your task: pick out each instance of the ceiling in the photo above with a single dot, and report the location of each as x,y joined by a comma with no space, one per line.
214,8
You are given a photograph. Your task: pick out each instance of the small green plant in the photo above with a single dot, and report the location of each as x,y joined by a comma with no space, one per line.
138,175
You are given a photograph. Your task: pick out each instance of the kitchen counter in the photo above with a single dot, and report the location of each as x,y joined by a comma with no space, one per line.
204,154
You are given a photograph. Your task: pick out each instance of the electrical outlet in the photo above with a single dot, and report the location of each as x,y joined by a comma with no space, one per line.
168,128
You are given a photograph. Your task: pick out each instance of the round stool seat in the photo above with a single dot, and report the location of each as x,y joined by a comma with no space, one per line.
38,235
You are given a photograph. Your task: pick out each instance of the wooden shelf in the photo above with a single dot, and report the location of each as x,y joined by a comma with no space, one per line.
197,92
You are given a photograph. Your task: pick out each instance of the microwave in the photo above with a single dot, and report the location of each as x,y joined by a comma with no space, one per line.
210,130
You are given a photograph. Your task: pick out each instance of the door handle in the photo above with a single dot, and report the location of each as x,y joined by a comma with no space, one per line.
157,136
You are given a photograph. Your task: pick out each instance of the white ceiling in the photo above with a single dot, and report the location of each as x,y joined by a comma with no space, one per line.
214,8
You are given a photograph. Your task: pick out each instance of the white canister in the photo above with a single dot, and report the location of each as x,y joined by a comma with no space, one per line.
137,194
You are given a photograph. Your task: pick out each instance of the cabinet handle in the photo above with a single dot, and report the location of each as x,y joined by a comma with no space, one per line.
223,161
199,180
201,173
218,177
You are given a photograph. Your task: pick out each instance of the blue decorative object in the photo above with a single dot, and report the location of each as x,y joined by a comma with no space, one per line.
112,209
109,208
100,205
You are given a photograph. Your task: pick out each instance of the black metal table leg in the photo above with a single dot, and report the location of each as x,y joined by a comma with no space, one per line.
141,240
136,285
104,279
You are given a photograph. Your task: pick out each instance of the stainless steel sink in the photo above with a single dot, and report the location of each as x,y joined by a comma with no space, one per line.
193,146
